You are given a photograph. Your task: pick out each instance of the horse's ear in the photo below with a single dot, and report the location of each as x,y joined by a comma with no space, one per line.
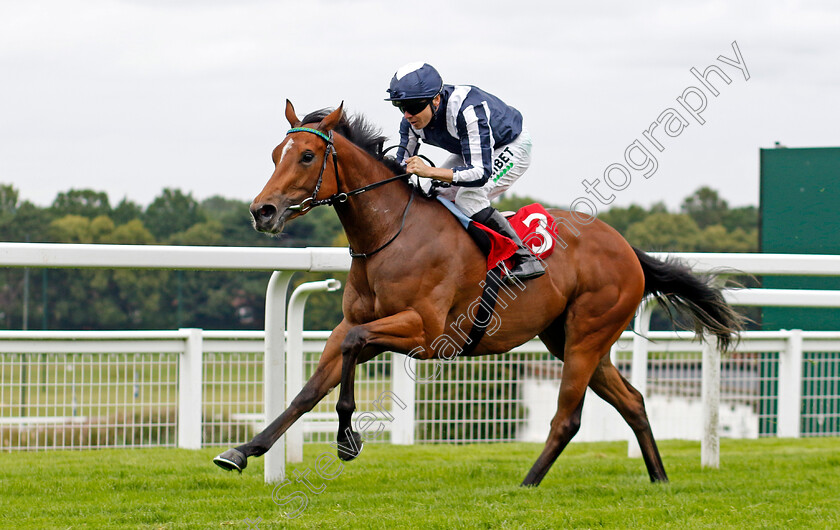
290,115
332,119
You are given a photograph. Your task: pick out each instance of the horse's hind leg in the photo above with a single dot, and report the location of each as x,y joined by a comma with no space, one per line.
580,361
578,368
592,323
608,383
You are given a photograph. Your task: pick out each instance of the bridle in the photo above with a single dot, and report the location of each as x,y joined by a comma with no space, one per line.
313,201
340,197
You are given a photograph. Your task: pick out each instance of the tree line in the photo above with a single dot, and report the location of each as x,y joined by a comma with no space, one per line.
704,223
169,299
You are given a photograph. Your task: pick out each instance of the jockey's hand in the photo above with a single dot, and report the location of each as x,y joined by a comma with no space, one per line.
417,166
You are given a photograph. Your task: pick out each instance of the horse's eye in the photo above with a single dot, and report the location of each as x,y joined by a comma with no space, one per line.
307,157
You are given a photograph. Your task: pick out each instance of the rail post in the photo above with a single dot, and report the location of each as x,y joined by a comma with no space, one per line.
404,387
274,369
639,365
710,396
294,361
189,391
790,386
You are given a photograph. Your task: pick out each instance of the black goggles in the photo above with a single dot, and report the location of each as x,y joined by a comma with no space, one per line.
412,106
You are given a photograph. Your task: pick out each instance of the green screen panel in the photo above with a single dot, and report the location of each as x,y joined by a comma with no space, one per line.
800,214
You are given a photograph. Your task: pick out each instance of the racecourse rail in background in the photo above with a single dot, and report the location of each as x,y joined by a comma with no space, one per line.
61,255
123,389
186,388
317,259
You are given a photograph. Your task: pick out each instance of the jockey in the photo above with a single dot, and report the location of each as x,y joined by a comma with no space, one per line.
490,147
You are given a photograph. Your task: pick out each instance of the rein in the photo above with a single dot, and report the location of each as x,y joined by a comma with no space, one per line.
402,225
340,197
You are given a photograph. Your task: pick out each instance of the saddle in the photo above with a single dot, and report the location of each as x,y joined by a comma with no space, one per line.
530,223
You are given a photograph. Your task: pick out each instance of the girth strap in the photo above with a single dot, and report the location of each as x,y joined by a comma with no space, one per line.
485,309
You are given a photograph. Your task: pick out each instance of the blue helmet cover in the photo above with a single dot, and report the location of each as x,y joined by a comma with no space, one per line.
414,81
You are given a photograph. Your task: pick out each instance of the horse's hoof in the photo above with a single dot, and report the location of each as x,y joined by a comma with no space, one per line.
232,459
348,450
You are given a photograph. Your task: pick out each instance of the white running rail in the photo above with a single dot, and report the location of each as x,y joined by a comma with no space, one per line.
286,261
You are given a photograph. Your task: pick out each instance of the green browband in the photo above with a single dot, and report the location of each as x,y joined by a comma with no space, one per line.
313,131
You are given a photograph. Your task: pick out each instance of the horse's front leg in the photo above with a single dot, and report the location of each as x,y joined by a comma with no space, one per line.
401,332
325,378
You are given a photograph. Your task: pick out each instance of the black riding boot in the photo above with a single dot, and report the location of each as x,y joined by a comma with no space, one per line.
526,266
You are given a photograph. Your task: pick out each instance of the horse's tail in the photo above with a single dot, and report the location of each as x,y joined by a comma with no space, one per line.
677,288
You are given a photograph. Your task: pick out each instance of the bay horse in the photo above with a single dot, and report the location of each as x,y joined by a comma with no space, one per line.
416,270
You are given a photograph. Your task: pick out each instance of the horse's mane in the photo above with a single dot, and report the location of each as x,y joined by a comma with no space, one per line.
361,132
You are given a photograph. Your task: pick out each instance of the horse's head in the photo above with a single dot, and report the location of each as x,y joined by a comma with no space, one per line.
300,164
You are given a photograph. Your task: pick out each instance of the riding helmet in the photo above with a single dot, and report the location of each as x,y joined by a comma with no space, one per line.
415,81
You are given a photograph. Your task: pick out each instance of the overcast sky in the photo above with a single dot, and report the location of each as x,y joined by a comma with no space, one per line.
129,97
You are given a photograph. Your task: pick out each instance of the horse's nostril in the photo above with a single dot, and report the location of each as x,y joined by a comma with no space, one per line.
266,211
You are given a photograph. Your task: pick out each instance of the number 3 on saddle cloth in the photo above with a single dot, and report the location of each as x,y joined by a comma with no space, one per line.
531,225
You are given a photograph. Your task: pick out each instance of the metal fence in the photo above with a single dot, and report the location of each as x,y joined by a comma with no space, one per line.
80,390
514,401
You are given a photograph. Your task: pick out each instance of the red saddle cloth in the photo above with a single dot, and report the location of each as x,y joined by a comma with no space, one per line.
534,226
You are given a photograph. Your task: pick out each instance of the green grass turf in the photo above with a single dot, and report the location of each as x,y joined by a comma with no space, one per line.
768,483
